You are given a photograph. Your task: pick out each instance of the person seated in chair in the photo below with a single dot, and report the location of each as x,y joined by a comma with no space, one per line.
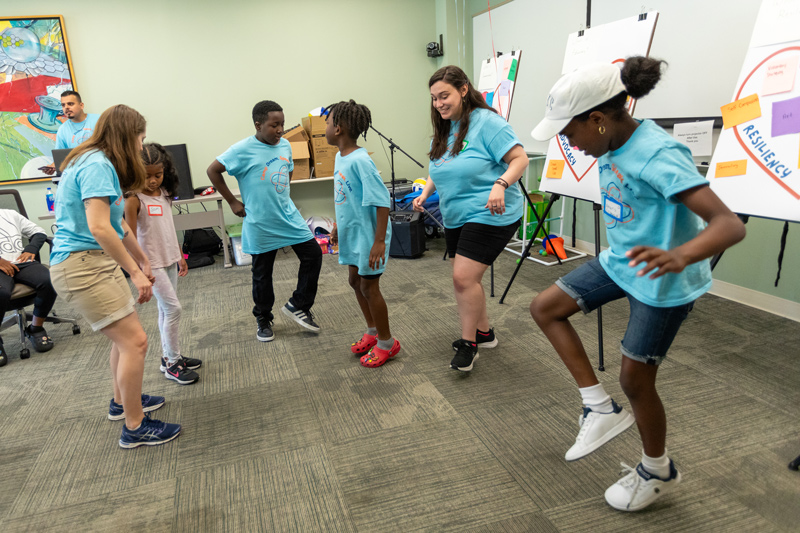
18,264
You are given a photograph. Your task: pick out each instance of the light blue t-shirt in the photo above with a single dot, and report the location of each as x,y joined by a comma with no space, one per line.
358,191
465,181
272,221
70,135
91,176
638,184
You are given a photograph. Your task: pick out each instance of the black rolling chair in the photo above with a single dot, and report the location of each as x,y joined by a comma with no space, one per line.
23,296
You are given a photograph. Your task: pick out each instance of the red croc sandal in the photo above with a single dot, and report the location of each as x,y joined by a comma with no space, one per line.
377,357
364,345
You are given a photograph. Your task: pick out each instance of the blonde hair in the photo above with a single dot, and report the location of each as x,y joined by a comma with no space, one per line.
116,134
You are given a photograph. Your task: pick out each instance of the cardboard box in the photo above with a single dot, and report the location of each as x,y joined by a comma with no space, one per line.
302,160
296,134
324,168
314,126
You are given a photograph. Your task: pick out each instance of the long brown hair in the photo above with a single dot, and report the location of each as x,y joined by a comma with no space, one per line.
456,77
116,134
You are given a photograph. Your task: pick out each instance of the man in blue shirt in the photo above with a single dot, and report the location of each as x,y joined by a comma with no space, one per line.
78,127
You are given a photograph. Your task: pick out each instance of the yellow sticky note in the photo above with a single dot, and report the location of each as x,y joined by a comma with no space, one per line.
554,169
731,168
741,111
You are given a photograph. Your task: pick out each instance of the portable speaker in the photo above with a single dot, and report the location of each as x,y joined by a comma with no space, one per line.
408,234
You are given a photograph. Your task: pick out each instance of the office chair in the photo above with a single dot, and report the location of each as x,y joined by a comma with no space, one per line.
23,296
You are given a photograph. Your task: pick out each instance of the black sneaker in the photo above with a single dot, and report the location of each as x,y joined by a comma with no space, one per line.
265,333
181,374
3,356
465,356
304,318
189,362
40,340
483,340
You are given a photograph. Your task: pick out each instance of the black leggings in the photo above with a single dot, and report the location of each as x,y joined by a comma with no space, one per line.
34,275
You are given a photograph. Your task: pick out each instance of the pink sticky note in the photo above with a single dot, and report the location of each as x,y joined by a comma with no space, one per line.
779,75
786,117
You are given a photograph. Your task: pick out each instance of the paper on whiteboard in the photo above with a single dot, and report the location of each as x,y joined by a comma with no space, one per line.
778,21
695,135
608,43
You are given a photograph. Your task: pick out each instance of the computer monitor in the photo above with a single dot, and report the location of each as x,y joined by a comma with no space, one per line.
58,157
180,159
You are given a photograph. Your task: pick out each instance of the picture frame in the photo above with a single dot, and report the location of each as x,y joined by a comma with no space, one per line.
35,68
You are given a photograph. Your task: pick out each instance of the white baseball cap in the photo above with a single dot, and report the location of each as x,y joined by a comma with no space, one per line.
576,92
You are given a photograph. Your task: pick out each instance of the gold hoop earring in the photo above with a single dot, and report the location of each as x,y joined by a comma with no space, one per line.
602,130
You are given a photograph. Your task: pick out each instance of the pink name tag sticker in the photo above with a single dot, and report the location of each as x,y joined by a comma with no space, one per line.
155,211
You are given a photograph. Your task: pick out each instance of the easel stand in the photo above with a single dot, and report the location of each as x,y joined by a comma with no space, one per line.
526,252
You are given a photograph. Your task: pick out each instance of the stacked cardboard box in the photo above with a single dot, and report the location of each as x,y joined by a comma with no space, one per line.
324,154
298,139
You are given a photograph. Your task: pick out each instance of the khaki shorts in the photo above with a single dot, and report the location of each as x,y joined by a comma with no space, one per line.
93,284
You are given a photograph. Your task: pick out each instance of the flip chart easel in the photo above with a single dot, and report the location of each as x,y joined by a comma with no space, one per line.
497,80
755,169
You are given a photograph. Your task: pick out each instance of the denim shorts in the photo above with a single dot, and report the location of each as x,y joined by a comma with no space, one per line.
650,331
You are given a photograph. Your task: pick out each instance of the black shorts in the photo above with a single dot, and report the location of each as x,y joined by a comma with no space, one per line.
479,242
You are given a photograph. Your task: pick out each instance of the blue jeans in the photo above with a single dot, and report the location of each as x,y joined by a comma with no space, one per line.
650,331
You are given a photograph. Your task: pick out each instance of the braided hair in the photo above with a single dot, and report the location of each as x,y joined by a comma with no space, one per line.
153,154
355,118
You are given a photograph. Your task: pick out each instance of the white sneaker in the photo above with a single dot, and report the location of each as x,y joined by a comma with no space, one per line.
597,429
639,488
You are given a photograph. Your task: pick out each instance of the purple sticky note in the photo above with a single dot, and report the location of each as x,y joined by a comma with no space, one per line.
786,117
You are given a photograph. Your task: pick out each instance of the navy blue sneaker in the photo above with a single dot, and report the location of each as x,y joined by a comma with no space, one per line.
149,403
149,433
304,318
265,333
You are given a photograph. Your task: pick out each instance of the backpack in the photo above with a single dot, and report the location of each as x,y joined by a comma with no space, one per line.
204,241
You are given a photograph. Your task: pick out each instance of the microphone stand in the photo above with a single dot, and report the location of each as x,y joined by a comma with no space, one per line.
392,147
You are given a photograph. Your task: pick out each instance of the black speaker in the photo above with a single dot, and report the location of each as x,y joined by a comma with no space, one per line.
408,234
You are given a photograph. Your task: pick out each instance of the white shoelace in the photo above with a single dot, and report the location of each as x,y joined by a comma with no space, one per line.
631,480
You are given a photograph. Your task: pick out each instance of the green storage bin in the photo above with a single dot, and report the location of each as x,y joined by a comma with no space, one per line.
540,204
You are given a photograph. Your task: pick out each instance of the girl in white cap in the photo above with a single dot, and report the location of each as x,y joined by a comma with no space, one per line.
660,213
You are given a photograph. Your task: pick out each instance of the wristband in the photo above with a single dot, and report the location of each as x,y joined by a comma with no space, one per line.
501,181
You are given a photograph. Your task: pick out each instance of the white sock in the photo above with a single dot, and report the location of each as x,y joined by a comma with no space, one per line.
658,466
372,331
596,398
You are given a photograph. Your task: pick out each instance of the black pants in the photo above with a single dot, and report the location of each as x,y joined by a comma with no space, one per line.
34,275
310,256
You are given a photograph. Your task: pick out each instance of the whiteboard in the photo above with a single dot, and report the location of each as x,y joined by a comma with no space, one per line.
704,42
541,30
577,175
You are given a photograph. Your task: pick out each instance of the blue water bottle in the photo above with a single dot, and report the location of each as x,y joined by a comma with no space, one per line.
51,202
